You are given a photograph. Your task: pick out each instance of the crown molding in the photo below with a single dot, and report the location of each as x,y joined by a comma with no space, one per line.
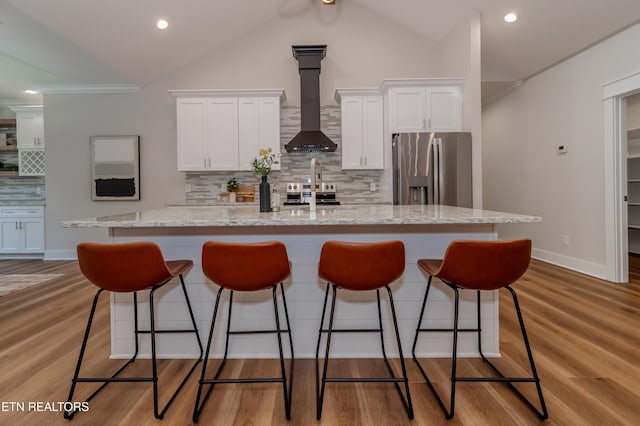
255,93
19,102
72,89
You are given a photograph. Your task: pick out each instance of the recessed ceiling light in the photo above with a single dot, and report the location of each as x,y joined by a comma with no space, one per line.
31,92
329,1
510,17
162,24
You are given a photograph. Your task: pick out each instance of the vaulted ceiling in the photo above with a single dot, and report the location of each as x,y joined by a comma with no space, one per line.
44,42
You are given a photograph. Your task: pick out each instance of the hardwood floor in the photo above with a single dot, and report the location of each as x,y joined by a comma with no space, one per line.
584,332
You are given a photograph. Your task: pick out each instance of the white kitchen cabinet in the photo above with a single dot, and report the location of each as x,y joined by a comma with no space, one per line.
207,133
30,127
259,128
225,129
31,162
222,133
21,230
362,128
429,107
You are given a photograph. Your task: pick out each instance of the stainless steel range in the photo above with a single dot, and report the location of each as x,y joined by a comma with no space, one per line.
300,194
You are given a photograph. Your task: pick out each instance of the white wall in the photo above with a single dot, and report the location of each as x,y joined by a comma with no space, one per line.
459,56
363,49
522,171
6,113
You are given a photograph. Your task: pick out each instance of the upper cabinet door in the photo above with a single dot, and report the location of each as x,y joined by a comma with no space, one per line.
192,134
225,129
30,128
362,129
408,109
259,128
443,109
373,131
434,108
352,132
222,133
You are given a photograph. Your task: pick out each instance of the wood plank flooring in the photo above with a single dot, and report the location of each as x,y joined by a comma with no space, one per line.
585,334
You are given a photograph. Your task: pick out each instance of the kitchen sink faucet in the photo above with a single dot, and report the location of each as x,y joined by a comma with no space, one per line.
316,176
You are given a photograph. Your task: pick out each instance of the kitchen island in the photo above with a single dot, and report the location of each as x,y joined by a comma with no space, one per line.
425,230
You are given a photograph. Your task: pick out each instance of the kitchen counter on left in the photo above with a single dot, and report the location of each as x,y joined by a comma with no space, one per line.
425,231
27,203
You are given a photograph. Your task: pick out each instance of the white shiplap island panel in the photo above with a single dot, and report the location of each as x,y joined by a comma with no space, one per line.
425,230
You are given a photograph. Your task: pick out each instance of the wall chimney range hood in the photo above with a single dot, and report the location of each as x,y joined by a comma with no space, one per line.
310,138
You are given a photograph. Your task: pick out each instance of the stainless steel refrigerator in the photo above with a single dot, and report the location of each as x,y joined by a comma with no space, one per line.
432,168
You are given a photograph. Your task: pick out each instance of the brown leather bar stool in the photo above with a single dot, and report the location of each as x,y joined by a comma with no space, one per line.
246,267
360,266
479,266
129,268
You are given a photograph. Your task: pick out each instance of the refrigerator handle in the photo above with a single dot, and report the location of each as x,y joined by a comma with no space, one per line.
436,171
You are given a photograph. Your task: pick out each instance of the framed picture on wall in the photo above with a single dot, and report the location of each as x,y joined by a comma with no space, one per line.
115,168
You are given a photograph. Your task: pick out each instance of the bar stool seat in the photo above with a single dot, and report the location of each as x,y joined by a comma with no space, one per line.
479,266
246,267
358,266
130,268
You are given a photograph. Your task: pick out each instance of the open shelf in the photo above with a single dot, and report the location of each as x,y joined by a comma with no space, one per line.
9,173
9,148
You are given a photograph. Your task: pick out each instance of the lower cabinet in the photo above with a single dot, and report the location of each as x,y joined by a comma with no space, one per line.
21,230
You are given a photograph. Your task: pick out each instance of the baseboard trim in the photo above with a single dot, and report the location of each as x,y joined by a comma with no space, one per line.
60,255
585,267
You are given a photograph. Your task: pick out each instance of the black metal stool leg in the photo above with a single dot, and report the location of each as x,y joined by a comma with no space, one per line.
424,304
69,414
290,332
407,403
541,414
199,406
154,364
320,397
104,380
200,402
448,412
454,355
324,309
287,402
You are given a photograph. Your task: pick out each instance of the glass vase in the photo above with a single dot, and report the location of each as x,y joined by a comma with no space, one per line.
265,195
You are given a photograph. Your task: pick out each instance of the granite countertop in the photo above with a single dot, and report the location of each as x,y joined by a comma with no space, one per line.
296,216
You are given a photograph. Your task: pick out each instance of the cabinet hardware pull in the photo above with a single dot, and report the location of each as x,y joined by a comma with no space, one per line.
429,121
209,161
204,162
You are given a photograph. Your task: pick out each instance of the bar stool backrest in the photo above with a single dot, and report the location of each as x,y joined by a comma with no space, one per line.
485,265
123,267
361,266
245,266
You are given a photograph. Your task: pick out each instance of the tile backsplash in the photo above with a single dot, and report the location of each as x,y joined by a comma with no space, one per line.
353,186
20,188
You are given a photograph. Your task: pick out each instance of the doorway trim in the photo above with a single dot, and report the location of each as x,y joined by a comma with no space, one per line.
615,157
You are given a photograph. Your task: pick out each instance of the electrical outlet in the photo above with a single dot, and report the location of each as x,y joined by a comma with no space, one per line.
39,190
565,240
372,186
187,188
